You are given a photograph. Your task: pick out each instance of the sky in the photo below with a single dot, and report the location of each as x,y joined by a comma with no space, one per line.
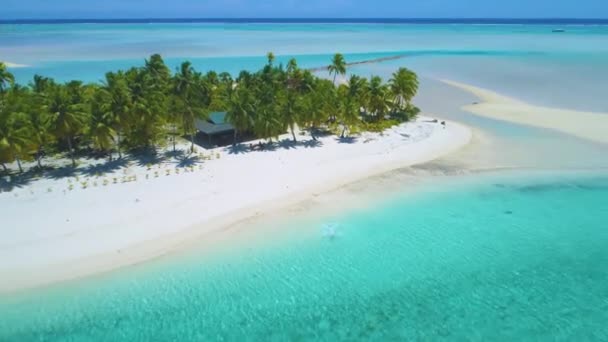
65,9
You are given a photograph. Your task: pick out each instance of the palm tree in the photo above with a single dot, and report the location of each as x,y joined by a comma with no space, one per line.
38,117
271,58
269,91
41,84
298,84
158,71
15,130
292,66
226,87
15,138
225,78
186,104
101,123
213,78
320,104
351,95
6,78
6,155
151,87
337,66
117,104
290,112
40,130
68,113
378,101
244,77
357,87
361,94
242,111
148,109
267,123
404,86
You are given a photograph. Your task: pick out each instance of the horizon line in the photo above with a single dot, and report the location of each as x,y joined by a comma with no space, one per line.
307,20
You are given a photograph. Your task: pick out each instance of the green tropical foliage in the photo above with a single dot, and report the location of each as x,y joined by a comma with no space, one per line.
101,124
187,104
144,107
118,105
404,86
378,98
241,112
68,109
6,78
15,143
337,66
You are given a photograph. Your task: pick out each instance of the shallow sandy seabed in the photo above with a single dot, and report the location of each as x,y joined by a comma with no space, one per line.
585,125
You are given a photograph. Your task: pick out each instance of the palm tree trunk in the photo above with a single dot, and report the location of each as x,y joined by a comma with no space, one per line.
71,151
19,164
336,74
173,140
39,158
234,139
118,146
343,131
293,134
4,167
192,142
109,154
312,132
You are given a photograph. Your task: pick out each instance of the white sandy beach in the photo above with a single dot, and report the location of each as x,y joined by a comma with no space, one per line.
584,125
51,233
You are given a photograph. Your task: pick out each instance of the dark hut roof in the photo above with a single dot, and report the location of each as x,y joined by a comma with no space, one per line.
216,124
217,118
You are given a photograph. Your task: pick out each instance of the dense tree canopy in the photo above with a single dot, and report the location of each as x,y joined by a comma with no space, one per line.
139,108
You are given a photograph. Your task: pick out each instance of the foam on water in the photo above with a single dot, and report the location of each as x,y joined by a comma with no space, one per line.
501,257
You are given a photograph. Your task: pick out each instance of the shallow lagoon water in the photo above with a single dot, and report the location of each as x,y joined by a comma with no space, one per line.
484,257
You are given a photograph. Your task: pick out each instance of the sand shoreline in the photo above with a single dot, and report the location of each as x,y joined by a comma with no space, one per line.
135,222
585,125
14,65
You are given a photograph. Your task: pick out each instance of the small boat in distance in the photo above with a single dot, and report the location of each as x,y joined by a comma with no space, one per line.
558,30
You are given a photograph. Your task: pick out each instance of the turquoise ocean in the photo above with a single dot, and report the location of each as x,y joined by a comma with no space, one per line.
498,258
501,242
